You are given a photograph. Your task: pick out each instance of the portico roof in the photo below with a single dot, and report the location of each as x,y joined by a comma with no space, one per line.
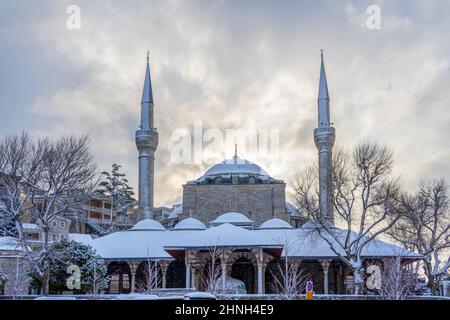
224,236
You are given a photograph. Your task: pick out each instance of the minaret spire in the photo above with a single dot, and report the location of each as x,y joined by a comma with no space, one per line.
324,137
146,143
147,92
323,98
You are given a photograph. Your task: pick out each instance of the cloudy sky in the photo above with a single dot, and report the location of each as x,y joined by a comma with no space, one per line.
231,64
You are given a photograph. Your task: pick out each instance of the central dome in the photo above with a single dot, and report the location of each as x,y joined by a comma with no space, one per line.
235,165
235,171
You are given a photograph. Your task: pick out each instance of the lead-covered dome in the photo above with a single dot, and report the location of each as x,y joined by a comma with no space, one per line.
235,165
189,224
275,223
148,225
235,171
235,218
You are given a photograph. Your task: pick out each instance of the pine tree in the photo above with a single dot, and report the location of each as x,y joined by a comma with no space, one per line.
115,186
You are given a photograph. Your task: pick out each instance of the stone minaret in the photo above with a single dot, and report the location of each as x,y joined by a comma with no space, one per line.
146,142
324,137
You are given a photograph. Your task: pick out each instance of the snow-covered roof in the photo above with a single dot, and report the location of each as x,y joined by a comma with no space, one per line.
81,238
308,244
275,223
148,225
190,224
291,209
303,243
235,165
30,226
10,244
235,218
176,211
137,244
224,235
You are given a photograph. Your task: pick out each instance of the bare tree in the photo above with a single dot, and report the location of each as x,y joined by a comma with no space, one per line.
16,274
212,279
365,201
398,281
97,279
425,227
289,280
42,180
151,276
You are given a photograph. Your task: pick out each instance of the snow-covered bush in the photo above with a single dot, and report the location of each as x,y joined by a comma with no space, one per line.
93,272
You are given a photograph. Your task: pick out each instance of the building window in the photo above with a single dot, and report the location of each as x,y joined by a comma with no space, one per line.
53,237
54,224
61,237
62,224
94,214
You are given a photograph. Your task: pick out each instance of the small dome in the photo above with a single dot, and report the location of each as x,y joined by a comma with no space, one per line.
148,225
190,224
235,218
275,223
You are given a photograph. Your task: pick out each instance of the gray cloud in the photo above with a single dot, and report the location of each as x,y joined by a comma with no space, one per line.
250,64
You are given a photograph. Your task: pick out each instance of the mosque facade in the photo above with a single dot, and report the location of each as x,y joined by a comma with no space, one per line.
237,210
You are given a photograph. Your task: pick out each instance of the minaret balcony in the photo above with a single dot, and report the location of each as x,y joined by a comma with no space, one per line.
147,138
324,137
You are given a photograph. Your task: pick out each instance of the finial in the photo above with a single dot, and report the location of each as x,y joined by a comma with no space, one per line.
148,55
321,54
235,150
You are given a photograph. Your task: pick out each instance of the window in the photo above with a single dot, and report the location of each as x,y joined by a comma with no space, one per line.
54,224
62,224
61,237
94,214
53,237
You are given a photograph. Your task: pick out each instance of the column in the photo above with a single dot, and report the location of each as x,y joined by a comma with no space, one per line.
224,273
133,268
260,285
259,260
194,277
188,275
325,266
224,256
188,269
164,265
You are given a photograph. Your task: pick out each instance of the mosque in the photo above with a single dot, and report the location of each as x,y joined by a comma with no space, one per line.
236,209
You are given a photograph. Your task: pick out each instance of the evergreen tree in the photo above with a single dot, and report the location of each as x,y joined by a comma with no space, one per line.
93,272
115,186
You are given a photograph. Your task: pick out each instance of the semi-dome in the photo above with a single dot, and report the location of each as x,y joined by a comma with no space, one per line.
148,225
235,218
190,224
275,223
